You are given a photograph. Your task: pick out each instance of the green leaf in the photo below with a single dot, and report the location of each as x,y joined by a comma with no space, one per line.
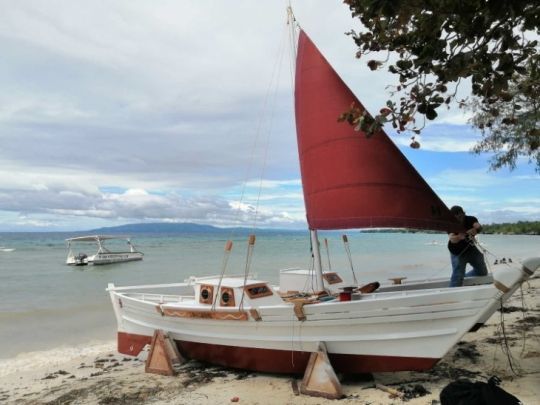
431,114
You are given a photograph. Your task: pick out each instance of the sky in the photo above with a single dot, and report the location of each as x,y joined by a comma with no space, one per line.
128,111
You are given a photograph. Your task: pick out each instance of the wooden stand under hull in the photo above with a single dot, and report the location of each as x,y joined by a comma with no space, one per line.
320,380
164,357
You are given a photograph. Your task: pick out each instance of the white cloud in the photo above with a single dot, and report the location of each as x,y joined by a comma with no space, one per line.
455,179
441,137
273,183
33,223
138,111
493,197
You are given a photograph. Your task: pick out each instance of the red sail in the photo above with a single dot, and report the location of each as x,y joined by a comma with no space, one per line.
351,181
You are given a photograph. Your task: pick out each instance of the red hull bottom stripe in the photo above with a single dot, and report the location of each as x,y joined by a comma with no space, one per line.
277,361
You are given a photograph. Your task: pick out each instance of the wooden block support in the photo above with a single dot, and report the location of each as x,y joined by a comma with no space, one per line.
320,380
164,357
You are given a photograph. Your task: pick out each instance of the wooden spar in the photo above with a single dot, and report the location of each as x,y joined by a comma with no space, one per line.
251,246
249,255
317,260
348,250
226,255
251,240
328,254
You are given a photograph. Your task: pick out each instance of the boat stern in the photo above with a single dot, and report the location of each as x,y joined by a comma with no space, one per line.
508,278
529,266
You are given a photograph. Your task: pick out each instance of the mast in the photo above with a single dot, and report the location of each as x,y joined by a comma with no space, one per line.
293,38
293,25
317,260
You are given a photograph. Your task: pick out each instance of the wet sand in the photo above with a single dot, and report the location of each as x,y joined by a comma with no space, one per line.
99,375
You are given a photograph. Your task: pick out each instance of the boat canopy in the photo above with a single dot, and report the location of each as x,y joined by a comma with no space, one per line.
96,238
351,180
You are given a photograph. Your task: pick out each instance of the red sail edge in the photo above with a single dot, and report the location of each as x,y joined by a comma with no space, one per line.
351,181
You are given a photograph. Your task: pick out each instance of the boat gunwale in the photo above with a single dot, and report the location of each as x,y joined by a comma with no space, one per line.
368,298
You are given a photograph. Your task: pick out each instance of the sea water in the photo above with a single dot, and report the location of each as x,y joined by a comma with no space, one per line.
47,305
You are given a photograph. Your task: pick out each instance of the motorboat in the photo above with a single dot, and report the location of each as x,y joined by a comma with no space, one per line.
103,254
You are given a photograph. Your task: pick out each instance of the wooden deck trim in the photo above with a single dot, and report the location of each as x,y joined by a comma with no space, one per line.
221,315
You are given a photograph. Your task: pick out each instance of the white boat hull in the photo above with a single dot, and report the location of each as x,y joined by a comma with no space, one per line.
117,257
380,332
299,278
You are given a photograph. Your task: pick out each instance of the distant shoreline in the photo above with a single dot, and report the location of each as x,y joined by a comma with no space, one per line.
517,228
490,232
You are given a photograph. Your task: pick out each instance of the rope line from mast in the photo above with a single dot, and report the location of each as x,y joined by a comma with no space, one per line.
272,87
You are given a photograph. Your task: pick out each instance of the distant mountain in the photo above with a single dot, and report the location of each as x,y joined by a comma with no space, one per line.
159,227
173,228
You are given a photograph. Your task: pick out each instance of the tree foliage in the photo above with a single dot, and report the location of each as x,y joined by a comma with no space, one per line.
510,128
518,228
432,45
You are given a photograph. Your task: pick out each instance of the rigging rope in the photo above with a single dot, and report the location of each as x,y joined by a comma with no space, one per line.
272,88
277,73
514,365
258,130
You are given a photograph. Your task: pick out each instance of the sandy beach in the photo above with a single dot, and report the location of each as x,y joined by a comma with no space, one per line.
99,375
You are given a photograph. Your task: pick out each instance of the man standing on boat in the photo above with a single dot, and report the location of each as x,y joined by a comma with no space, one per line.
463,249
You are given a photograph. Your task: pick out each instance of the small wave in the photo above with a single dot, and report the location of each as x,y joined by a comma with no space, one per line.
13,315
33,360
433,243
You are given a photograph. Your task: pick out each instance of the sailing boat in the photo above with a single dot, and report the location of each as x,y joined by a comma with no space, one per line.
349,182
